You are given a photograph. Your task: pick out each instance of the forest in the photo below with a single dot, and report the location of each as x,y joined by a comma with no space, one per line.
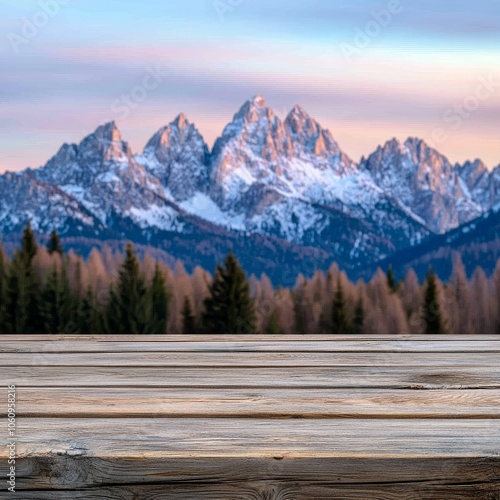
45,290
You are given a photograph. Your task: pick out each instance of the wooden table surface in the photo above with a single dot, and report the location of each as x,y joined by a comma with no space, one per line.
253,417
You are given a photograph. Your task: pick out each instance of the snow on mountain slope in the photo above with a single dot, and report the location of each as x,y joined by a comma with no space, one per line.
296,158
102,174
24,198
291,179
315,145
419,178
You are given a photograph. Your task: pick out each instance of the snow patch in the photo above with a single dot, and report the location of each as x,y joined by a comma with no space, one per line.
164,218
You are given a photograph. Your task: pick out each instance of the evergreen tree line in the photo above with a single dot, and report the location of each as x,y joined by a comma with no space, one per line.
45,290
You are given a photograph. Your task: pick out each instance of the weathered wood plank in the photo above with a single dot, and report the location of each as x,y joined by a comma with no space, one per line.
224,345
74,453
247,403
318,377
252,359
276,490
52,471
369,438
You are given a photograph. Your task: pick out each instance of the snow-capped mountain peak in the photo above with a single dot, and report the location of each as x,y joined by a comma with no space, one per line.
308,134
301,124
181,121
252,106
178,156
81,164
105,144
472,171
423,181
482,184
252,149
315,144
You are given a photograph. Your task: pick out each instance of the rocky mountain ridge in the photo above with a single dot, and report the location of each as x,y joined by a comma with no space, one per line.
283,179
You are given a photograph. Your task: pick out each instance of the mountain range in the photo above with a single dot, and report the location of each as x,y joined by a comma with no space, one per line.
281,193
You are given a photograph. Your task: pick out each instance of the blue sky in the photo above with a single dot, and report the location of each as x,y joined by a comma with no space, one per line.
411,76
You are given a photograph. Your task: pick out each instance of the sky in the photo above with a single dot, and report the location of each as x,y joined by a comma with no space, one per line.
368,70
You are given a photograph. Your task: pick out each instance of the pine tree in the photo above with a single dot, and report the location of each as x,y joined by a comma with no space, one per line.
49,306
325,317
340,323
54,244
58,303
2,288
128,307
300,310
159,304
229,307
29,245
89,316
359,317
16,317
22,290
29,250
391,280
433,320
188,318
461,299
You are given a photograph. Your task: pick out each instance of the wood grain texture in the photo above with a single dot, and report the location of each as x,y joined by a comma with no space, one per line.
288,377
252,359
337,438
425,490
186,451
110,402
245,344
254,417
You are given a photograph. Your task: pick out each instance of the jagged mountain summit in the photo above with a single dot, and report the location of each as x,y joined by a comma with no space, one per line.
296,158
292,180
285,181
483,186
102,174
425,182
178,156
